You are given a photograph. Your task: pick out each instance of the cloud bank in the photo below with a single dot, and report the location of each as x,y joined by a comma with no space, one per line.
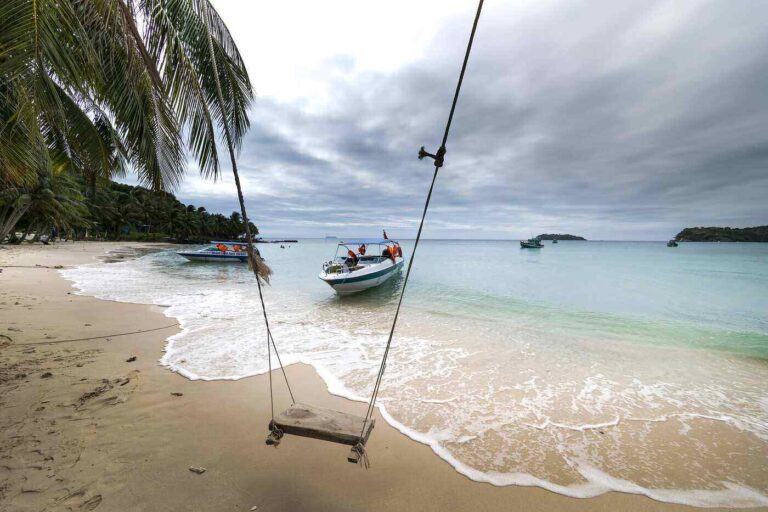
612,120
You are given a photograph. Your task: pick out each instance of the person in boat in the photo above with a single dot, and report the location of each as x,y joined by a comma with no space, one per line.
391,252
351,260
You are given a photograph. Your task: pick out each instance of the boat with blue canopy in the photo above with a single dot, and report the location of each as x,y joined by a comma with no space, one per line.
234,252
362,263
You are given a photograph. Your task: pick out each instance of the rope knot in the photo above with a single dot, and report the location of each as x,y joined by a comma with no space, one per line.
437,157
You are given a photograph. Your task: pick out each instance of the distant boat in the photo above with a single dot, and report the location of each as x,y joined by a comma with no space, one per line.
672,243
234,252
554,241
362,264
531,243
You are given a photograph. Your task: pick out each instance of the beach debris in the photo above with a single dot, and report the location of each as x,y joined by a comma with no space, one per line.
130,359
46,375
125,381
255,507
198,470
87,325
176,393
59,267
92,503
106,386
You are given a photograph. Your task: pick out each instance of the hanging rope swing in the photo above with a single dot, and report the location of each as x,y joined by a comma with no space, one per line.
335,426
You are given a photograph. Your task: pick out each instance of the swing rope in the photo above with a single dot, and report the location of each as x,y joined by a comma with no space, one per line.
271,346
438,158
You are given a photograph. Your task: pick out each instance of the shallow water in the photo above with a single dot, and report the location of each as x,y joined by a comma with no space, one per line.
581,367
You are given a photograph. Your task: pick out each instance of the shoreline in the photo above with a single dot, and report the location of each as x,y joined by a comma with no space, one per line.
140,440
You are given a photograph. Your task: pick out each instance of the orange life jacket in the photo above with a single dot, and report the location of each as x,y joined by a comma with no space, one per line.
391,252
221,247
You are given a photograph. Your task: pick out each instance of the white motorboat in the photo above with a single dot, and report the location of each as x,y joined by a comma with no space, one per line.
219,251
360,264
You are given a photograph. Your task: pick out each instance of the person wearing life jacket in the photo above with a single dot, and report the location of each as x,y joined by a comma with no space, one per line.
351,258
221,247
389,252
361,250
399,251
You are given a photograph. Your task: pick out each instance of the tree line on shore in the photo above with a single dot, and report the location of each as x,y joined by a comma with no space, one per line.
116,211
723,234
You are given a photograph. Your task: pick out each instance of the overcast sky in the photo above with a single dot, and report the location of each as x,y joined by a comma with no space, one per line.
611,120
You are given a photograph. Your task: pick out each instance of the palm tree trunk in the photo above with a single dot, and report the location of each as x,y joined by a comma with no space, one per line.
260,269
26,232
13,218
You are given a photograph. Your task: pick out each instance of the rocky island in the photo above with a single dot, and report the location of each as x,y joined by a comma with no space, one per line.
560,237
726,234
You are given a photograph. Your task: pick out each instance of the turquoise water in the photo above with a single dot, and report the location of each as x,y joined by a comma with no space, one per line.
712,296
581,367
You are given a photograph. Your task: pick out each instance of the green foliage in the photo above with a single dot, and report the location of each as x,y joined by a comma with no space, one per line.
559,237
93,88
123,212
715,234
82,79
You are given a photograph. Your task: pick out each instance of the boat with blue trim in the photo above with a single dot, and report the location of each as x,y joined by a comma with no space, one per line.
362,263
234,252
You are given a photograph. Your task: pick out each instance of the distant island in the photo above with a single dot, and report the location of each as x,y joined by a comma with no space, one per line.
559,237
715,234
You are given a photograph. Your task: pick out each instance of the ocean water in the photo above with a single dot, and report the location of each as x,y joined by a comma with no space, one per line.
582,367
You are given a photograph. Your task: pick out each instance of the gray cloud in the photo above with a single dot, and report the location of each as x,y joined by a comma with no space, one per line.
614,120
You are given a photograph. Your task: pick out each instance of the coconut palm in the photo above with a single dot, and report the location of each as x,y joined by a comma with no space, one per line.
83,79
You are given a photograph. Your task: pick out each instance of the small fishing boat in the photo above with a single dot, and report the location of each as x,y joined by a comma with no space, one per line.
531,243
360,264
554,241
672,243
219,251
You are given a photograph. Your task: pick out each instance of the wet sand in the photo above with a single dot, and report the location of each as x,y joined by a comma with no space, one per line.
85,427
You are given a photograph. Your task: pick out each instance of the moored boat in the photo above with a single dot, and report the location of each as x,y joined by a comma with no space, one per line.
672,243
531,243
360,264
219,251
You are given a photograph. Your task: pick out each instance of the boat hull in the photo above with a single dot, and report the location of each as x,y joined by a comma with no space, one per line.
219,258
358,281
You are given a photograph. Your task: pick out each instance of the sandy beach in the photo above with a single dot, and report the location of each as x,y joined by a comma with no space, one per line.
85,426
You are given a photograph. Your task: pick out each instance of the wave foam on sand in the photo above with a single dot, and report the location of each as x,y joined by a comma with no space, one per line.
578,418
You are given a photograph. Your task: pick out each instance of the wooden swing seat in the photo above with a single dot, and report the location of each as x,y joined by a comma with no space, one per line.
324,424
